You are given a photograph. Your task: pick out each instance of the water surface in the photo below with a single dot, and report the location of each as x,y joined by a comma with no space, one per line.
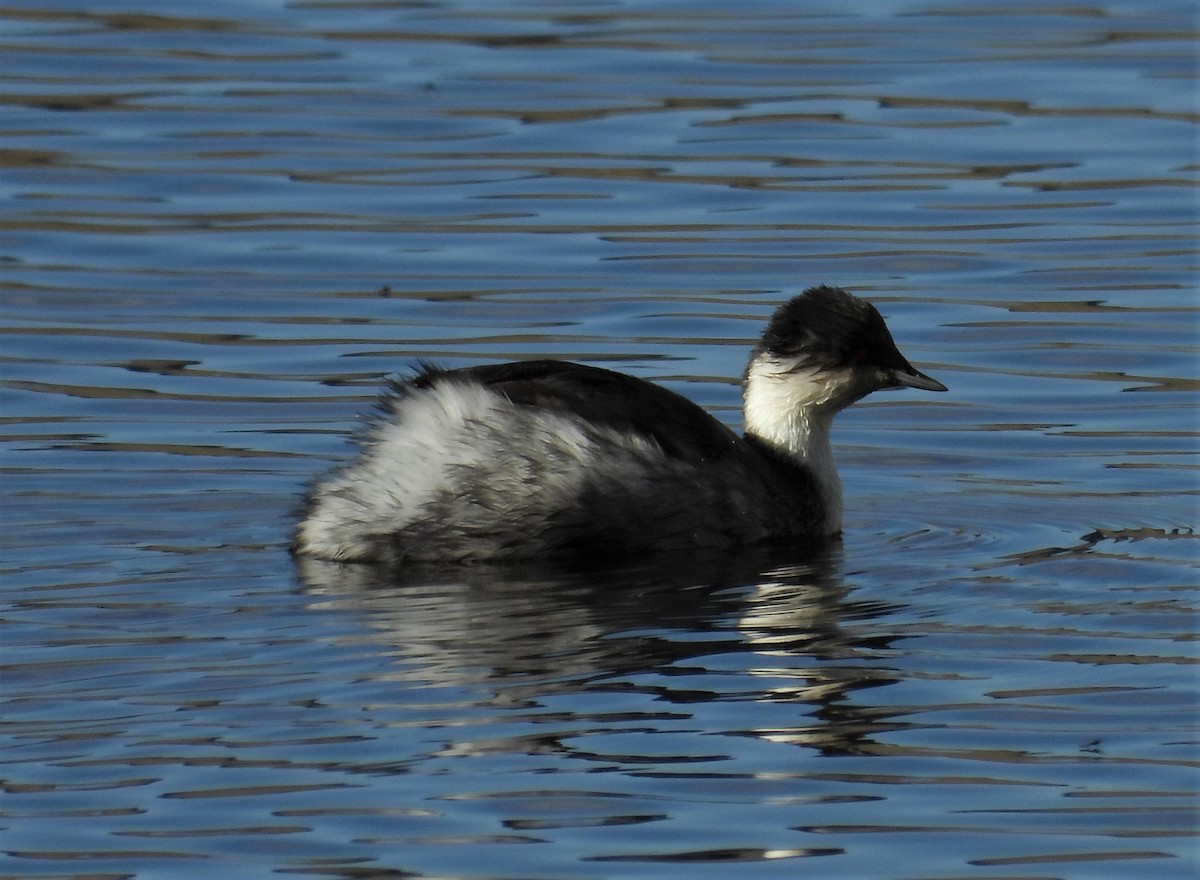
223,227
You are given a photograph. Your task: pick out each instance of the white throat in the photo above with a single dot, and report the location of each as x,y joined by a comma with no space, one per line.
792,408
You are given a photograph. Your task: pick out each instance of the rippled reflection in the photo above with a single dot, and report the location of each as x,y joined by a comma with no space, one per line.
791,636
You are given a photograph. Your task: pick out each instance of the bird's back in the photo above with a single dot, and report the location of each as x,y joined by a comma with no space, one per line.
598,397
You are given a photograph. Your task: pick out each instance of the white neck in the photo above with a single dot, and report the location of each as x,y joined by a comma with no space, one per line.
793,409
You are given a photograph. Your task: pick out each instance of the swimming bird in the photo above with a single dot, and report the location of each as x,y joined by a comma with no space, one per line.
549,460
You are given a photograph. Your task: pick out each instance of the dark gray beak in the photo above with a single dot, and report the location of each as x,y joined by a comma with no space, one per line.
914,378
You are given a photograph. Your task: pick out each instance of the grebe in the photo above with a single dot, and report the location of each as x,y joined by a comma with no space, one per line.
548,459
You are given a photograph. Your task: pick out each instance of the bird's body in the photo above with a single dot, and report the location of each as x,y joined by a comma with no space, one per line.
549,459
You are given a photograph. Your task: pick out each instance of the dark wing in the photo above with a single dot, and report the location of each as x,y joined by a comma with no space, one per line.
601,397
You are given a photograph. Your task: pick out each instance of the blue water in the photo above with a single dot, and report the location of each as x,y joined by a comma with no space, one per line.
223,226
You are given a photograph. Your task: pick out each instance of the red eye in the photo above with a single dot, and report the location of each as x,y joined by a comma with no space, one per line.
861,356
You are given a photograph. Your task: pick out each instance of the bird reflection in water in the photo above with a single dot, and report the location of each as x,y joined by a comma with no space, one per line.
746,630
